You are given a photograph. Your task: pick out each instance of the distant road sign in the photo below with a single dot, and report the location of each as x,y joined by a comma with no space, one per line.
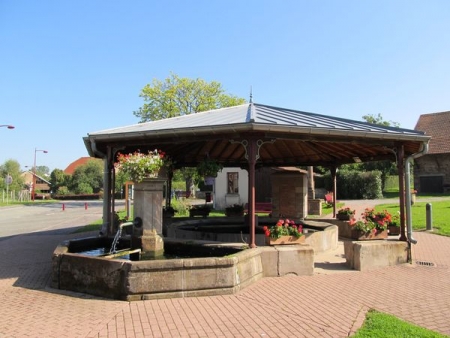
8,179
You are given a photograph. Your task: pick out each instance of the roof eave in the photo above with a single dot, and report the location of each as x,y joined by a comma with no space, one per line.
242,127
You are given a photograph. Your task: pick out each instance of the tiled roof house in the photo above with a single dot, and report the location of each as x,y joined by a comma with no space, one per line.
432,171
75,164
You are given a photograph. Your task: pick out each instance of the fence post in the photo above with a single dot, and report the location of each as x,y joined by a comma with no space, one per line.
429,217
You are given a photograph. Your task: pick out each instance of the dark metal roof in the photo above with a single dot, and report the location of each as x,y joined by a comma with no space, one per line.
287,137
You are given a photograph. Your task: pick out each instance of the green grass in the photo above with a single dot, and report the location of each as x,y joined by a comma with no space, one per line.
440,215
381,325
95,226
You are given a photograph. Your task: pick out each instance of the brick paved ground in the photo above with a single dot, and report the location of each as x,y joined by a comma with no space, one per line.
323,305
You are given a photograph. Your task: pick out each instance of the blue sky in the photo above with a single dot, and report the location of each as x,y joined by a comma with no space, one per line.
69,68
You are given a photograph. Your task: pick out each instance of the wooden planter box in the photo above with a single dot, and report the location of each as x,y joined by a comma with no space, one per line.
234,213
365,236
283,240
343,217
393,230
199,212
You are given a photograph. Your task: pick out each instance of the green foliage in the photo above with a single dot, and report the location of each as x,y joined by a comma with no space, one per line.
176,96
90,174
284,227
346,211
208,167
58,179
386,168
62,191
352,184
391,183
440,213
119,184
178,185
378,119
181,207
383,325
83,189
42,171
372,185
11,168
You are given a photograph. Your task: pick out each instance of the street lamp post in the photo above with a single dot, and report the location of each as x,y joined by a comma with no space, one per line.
7,126
34,172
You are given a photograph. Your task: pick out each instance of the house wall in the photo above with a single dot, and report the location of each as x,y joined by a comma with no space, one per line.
429,166
222,197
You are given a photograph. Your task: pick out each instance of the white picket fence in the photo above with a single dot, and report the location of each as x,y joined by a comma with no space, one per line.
15,196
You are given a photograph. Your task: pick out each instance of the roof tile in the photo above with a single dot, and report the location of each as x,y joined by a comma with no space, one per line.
437,126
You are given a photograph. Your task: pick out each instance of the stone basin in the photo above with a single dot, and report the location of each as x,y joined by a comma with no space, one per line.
225,269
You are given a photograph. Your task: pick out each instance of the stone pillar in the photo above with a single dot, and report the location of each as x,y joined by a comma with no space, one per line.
311,185
148,205
289,195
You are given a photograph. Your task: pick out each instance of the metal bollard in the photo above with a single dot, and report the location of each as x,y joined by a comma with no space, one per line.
64,207
85,206
429,217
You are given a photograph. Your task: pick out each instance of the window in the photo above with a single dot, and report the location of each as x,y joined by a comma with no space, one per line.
233,183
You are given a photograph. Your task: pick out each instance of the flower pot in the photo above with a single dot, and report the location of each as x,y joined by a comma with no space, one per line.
204,212
343,217
285,240
370,235
234,213
393,230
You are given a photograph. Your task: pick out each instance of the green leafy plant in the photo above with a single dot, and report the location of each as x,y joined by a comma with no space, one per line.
209,167
234,209
169,211
346,211
138,165
372,221
284,227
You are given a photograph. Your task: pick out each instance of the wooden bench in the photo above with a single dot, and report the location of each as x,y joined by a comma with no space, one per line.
260,207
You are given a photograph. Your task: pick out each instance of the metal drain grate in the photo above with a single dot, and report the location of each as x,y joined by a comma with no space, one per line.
425,263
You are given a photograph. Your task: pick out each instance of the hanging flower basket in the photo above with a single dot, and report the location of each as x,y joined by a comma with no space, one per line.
209,167
139,166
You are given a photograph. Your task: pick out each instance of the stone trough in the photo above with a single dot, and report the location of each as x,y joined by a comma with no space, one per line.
225,268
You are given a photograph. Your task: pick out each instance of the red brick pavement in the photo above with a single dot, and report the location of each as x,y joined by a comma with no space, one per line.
323,305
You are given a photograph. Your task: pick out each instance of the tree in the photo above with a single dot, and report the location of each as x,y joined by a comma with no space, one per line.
177,96
42,171
89,174
121,179
386,167
59,179
11,168
379,120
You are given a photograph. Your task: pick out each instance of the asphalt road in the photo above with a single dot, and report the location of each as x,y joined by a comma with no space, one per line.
65,216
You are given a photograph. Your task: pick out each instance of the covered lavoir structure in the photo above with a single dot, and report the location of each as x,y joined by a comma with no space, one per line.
253,135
